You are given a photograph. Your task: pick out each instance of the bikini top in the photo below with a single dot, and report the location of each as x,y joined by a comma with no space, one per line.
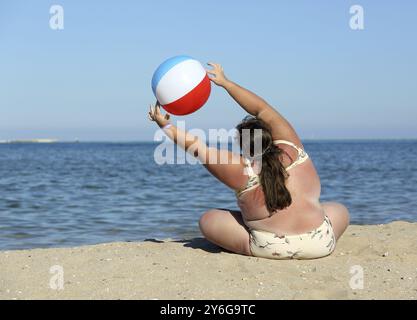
254,181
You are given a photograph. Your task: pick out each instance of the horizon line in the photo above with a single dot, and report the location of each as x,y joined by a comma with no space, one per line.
57,141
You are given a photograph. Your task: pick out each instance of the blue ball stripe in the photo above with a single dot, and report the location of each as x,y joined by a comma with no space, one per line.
164,68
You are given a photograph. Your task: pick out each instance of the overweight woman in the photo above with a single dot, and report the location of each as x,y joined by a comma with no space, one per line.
277,189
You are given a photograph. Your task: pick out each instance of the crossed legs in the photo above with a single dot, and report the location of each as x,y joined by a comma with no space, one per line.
226,229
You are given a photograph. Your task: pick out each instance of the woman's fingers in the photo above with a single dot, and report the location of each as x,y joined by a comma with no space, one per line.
160,114
216,72
151,114
214,65
155,110
213,72
214,77
211,77
155,113
158,111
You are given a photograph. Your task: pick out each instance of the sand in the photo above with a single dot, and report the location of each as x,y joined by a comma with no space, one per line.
195,269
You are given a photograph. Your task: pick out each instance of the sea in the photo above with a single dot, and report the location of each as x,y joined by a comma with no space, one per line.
72,194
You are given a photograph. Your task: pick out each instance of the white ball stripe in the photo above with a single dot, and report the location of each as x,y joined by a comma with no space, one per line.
180,80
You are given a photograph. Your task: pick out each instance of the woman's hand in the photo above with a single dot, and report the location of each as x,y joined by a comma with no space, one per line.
217,74
156,115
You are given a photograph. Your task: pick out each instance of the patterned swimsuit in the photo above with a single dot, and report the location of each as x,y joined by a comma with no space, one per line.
317,243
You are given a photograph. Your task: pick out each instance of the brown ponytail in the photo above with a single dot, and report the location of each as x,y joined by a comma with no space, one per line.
273,174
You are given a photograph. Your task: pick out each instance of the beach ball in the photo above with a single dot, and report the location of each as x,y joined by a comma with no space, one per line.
181,85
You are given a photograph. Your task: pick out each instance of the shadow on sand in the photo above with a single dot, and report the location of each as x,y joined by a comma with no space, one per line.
200,243
195,243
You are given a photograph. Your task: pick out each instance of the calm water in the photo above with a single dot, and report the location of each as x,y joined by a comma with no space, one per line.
72,194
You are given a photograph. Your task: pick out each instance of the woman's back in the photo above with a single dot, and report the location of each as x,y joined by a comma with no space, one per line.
304,213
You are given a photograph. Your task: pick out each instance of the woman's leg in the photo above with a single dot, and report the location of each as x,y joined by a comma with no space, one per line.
338,215
226,229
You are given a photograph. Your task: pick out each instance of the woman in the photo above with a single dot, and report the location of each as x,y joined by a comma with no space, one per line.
281,216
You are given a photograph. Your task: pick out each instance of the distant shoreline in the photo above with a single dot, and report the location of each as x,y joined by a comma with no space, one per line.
56,141
30,141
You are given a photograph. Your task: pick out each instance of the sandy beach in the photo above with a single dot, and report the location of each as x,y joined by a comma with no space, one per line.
195,269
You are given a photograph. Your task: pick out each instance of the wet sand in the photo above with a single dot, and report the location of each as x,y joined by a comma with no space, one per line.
196,269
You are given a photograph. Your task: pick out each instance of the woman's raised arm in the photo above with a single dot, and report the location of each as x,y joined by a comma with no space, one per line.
226,166
255,105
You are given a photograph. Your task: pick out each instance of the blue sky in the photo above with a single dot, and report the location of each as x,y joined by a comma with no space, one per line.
91,81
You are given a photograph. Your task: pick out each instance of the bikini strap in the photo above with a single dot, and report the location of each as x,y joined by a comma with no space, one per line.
302,155
253,180
249,169
289,143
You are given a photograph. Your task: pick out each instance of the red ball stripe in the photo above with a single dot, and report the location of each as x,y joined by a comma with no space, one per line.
192,101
